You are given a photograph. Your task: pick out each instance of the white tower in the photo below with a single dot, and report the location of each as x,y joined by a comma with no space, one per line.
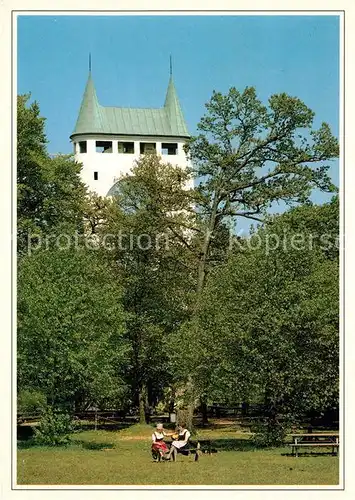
107,140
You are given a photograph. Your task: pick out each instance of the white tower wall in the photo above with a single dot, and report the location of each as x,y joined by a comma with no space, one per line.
110,166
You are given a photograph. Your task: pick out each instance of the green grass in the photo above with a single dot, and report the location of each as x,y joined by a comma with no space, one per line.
123,458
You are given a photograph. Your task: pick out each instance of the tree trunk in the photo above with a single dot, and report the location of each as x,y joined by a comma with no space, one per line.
172,401
184,417
202,264
204,411
206,247
245,409
142,404
96,419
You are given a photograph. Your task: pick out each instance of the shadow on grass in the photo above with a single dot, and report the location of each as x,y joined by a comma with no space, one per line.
26,440
234,444
25,444
310,454
87,445
249,445
229,444
27,431
91,445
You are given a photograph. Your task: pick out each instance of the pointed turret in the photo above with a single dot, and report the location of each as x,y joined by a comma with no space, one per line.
174,111
125,134
90,117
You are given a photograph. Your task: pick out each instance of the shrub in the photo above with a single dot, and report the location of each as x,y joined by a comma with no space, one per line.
31,402
269,432
161,407
55,428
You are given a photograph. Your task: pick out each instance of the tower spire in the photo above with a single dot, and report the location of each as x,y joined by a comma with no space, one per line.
171,66
173,109
90,119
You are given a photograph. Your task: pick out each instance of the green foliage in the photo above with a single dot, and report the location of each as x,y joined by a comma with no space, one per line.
55,428
268,323
31,402
71,327
249,156
167,302
49,189
154,271
240,138
269,433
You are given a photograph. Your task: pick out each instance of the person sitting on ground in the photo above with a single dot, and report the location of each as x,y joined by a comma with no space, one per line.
181,442
158,443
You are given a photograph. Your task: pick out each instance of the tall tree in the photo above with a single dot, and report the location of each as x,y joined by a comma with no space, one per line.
268,329
49,190
71,327
248,156
148,219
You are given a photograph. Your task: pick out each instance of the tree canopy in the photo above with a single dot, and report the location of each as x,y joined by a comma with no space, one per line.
71,328
249,156
50,192
151,293
268,329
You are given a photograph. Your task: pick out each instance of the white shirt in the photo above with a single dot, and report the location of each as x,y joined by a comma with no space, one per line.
181,443
157,435
187,435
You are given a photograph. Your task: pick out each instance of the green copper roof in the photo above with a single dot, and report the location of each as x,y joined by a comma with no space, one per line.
174,111
166,121
90,111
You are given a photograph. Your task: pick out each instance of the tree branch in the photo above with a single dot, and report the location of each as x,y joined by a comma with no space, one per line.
182,240
248,215
178,223
259,181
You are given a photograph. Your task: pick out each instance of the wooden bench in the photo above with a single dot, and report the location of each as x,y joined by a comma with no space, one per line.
193,448
197,448
317,439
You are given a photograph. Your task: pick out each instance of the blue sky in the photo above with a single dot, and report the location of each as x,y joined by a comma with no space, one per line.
298,55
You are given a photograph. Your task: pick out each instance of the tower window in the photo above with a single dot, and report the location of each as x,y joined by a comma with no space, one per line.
126,147
82,147
96,176
169,148
147,147
103,146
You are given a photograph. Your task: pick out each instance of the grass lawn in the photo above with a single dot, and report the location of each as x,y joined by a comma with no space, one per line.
123,457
